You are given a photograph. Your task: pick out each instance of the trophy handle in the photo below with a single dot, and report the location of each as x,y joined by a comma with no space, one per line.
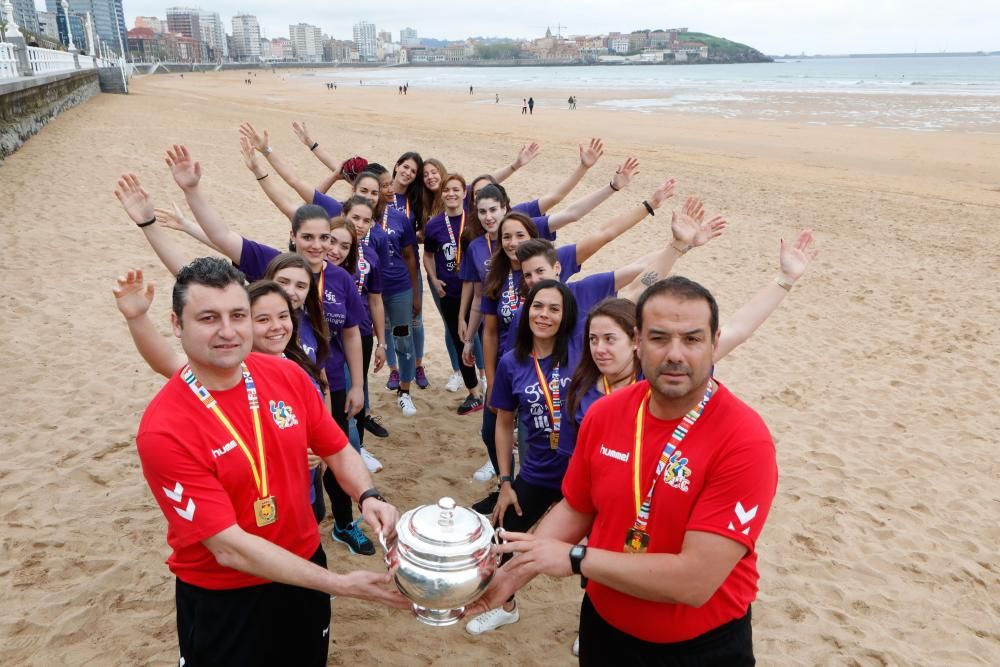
387,558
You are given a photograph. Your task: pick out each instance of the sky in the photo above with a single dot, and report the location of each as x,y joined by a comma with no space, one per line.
775,27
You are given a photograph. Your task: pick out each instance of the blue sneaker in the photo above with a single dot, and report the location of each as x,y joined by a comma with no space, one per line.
353,539
393,383
421,378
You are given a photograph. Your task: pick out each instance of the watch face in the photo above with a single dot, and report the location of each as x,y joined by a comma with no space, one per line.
577,551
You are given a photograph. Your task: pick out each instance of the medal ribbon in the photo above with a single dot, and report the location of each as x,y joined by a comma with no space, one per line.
451,237
385,219
396,205
607,385
552,398
364,268
319,282
260,479
680,432
515,299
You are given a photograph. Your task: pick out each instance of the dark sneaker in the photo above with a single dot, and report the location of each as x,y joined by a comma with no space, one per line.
421,378
374,426
486,505
393,383
353,539
470,404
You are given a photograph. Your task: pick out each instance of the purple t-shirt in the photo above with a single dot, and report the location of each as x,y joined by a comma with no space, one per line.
445,247
332,207
307,337
399,235
476,260
507,305
588,292
368,280
341,305
516,388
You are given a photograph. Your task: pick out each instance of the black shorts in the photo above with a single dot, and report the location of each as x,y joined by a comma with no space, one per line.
729,645
270,624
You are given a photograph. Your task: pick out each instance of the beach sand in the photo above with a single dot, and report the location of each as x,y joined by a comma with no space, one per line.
877,376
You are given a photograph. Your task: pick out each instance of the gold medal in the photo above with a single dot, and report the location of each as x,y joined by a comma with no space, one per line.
266,511
554,440
636,541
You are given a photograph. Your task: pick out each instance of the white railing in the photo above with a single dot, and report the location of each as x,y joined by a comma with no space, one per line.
8,62
86,62
44,61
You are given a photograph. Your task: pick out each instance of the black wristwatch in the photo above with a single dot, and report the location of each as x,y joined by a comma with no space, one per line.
506,478
576,555
370,493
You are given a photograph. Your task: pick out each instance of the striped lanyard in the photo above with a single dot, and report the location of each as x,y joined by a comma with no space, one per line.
607,385
385,218
451,237
551,391
680,432
260,478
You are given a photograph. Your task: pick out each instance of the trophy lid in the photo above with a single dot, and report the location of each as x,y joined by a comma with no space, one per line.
445,533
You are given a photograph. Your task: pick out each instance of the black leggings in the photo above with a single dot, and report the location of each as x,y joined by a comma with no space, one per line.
343,508
449,310
367,344
535,501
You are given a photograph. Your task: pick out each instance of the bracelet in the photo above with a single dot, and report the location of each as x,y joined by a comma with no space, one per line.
383,346
263,177
313,147
145,224
784,284
648,207
611,184
681,250
267,150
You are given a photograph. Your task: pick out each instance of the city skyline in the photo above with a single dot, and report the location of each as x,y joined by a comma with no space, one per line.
772,26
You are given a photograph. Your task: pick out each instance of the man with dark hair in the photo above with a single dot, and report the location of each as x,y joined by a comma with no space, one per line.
223,447
672,479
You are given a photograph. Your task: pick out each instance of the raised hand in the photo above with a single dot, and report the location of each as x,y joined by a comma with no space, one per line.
709,230
625,173
186,172
132,296
172,219
795,258
256,139
527,153
250,159
302,133
134,199
589,155
685,226
663,193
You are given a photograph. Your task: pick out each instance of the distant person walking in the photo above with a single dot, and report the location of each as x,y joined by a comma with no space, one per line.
498,98
524,106
531,106
470,90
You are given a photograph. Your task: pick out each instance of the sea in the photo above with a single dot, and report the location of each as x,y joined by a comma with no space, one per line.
919,93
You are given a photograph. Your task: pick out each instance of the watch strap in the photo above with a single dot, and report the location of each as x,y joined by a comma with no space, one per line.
370,493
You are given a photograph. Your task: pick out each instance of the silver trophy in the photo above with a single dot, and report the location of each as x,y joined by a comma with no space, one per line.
441,559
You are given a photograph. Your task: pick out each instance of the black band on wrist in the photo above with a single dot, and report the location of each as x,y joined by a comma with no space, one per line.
648,207
145,224
611,184
370,493
263,177
506,478
313,147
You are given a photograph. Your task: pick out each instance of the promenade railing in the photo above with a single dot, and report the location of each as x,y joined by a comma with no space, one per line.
8,62
46,61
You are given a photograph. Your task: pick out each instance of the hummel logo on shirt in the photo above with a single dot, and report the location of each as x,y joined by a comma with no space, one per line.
618,456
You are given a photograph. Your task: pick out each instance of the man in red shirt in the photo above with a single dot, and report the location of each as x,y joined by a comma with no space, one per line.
672,478
224,448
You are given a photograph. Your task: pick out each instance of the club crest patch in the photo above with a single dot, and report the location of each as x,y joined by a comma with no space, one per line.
677,474
283,415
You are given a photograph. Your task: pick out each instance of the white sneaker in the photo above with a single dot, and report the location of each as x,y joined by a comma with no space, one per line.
485,473
406,405
455,382
491,620
374,465
576,646
482,384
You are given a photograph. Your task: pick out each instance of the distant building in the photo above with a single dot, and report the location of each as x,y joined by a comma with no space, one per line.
213,34
338,51
408,37
47,25
25,15
150,22
184,21
246,38
618,43
307,42
364,40
108,18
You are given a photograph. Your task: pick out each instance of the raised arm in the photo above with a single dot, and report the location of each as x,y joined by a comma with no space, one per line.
794,260
588,203
285,203
527,153
688,230
133,298
620,224
261,142
187,175
322,154
174,219
139,206
589,155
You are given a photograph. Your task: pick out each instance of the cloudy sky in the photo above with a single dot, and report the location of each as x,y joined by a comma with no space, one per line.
773,26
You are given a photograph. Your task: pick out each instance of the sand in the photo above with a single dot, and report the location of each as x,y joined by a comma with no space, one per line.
877,377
